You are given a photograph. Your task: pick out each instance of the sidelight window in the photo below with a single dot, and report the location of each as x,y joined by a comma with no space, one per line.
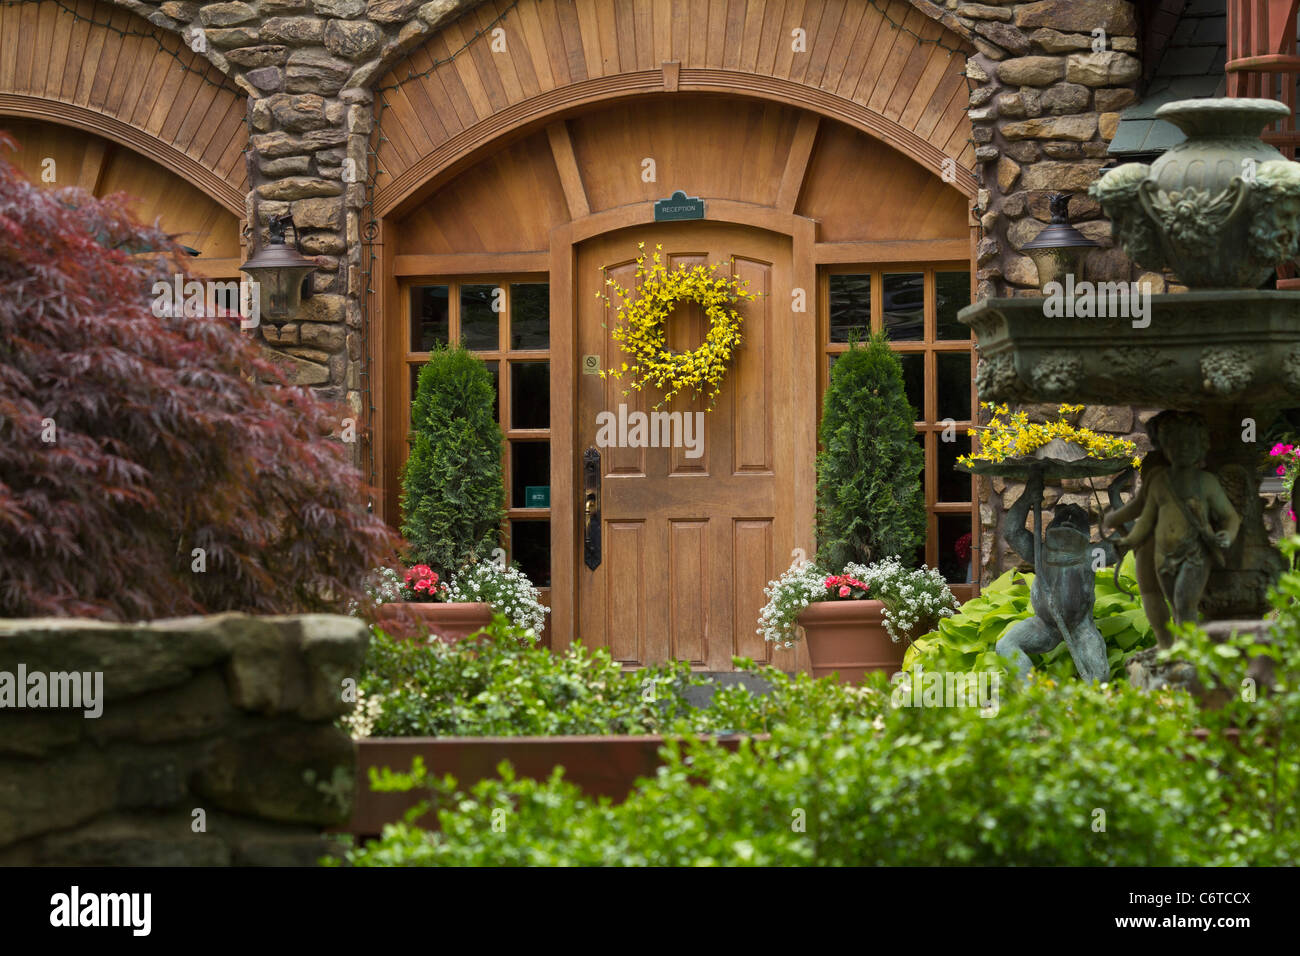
917,309
506,322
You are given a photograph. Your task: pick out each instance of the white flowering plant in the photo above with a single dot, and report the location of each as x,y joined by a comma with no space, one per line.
505,587
914,598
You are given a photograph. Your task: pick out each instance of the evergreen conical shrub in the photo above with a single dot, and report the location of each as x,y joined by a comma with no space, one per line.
453,494
870,504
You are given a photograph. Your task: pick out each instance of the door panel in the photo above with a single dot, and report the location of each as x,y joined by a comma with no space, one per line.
689,542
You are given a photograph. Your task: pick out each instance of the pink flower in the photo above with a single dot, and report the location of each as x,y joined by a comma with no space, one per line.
1281,469
845,590
1277,449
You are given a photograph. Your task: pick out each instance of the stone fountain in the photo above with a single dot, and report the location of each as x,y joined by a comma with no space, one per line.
1220,210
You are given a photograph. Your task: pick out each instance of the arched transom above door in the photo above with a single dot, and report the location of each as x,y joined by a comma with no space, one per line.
882,67
91,65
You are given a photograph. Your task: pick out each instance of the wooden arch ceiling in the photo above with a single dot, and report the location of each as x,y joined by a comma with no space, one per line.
905,87
144,90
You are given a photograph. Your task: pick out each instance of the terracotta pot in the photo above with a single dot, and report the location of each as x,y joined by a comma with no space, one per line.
849,638
448,621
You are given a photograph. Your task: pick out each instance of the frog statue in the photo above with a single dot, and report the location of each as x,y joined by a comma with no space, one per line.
1187,511
1063,591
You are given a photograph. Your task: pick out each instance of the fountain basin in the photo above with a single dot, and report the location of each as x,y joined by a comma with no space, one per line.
1198,350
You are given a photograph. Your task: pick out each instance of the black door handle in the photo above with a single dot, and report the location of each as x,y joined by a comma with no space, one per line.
591,508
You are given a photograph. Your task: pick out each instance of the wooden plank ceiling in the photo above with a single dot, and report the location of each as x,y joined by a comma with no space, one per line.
904,85
149,92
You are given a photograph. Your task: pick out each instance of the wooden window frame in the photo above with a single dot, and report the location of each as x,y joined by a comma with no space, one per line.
930,425
503,355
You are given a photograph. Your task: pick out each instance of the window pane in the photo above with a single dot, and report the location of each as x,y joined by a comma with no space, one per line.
415,379
478,323
954,542
530,545
530,474
430,326
530,394
850,306
914,381
953,485
905,306
954,385
951,295
530,315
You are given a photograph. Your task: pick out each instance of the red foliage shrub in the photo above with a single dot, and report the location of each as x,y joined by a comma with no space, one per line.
170,435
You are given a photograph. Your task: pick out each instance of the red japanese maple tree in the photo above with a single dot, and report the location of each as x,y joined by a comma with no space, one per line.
154,466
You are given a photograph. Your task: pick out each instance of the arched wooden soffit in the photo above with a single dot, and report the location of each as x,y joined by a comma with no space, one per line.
886,67
95,66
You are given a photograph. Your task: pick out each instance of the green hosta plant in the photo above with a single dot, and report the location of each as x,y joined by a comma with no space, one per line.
966,641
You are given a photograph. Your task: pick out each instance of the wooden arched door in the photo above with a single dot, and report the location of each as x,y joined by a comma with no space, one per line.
689,536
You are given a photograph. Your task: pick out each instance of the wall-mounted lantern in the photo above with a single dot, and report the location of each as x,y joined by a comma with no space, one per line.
282,272
1059,249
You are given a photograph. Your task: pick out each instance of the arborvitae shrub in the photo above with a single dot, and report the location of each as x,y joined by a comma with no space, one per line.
869,498
453,494
128,440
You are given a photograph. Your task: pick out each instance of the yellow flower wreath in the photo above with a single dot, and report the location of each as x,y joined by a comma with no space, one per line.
644,310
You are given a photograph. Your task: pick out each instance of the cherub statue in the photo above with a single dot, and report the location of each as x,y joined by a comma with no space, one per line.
1064,588
1153,601
1183,505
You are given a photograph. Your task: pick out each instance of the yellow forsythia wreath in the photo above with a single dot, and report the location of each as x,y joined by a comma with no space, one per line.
643,313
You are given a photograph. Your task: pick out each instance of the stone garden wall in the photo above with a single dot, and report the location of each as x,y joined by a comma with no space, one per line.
214,744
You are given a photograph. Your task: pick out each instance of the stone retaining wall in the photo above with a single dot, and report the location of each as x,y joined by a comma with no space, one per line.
215,744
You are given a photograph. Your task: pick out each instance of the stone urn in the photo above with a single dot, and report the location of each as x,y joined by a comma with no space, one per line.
1221,189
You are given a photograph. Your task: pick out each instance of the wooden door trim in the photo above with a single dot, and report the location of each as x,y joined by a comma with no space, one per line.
427,173
137,140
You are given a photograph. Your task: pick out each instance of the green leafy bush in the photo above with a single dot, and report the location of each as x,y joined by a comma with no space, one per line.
1068,774
453,493
869,499
1265,720
967,640
502,684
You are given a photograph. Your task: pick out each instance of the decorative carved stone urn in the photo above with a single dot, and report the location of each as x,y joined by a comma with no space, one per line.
1220,189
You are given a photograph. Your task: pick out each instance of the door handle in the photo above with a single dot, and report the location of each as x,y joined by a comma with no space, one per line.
591,507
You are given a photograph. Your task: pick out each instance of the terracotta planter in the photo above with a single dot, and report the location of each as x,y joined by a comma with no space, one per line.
849,638
449,621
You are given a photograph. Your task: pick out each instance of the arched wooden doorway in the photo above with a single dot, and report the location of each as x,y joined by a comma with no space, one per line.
541,196
53,155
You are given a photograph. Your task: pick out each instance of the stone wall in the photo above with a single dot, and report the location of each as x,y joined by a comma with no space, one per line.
308,67
215,743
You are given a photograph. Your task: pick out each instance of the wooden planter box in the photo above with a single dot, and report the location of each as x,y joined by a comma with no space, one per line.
601,766
448,621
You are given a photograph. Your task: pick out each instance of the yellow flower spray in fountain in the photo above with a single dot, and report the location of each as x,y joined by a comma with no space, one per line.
1012,435
642,335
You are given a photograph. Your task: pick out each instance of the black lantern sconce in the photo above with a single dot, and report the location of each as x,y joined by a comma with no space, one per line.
282,272
1059,249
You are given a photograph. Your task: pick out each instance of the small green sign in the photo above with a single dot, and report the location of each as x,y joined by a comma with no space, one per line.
679,206
537,496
